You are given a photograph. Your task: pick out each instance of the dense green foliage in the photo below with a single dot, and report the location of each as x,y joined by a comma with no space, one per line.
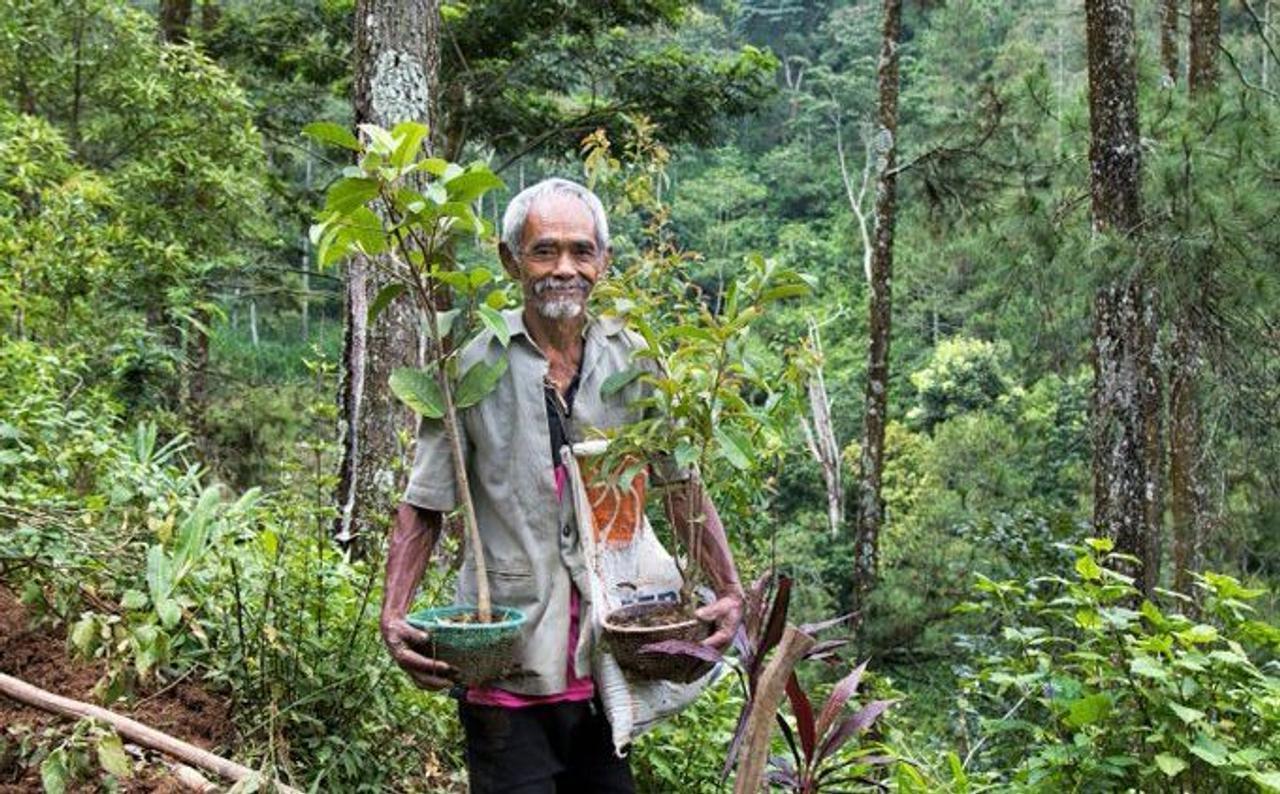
167,348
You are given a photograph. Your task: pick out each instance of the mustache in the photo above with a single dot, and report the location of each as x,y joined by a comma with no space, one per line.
560,284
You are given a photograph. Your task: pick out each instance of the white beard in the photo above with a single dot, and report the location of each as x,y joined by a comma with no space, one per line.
560,304
560,309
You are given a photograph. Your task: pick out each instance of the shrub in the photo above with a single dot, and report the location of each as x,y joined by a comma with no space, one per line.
1087,688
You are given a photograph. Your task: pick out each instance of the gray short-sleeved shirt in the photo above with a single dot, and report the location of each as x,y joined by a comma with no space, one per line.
529,535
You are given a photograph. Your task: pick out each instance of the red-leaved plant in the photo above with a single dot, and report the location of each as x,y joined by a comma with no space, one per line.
815,763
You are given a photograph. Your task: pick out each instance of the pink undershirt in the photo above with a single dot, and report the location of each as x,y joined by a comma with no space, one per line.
576,689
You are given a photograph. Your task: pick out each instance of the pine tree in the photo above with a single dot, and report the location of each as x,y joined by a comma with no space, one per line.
1126,391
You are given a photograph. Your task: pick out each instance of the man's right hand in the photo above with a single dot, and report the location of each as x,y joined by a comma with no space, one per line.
409,647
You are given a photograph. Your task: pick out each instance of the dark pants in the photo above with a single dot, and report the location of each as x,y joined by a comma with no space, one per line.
553,749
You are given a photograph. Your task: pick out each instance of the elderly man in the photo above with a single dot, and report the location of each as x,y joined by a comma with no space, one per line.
544,730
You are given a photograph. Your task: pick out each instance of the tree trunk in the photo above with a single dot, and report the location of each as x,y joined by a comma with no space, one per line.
1169,41
1126,404
305,241
175,17
1186,476
870,501
210,13
397,60
1202,56
198,365
1186,472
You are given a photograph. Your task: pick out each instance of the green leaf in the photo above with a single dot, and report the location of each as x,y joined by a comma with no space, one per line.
385,295
735,446
53,772
380,141
335,134
445,321
1212,752
1100,545
159,580
133,599
497,299
959,779
1186,713
410,135
84,634
111,756
145,650
478,381
365,228
418,389
1198,635
1088,569
1170,765
495,322
619,381
432,165
1269,781
169,611
1088,710
1148,668
784,291
347,194
472,184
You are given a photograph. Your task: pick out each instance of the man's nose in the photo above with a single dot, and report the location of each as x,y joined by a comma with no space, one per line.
565,264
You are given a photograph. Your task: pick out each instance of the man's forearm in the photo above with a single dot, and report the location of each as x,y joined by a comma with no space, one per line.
698,526
408,552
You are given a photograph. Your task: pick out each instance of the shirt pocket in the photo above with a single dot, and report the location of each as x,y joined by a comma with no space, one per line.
508,586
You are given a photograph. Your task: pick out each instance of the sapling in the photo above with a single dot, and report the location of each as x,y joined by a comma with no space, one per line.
699,361
406,214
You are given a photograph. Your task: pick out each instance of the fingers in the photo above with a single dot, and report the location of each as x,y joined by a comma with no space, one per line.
724,609
413,662
720,639
726,613
430,682
409,647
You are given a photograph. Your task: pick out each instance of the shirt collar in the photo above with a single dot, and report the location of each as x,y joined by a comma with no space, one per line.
607,325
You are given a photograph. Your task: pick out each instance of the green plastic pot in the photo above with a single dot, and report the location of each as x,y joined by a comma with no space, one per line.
479,652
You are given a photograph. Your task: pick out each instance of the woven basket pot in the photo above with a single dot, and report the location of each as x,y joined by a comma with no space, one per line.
480,652
626,642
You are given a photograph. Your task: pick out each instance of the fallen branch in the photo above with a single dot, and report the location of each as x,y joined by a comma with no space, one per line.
764,708
130,729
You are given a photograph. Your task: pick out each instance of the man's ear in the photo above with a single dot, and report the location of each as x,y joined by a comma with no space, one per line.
607,260
509,261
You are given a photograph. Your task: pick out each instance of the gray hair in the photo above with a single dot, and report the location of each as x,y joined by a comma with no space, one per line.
518,211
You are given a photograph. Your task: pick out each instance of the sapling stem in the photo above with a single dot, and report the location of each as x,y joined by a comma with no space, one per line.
421,284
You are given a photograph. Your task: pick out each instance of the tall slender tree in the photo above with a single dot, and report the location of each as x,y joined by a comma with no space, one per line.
870,499
1126,395
1169,41
1202,54
397,59
175,19
1188,499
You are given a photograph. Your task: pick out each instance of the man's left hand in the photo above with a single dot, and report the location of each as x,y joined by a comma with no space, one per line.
726,613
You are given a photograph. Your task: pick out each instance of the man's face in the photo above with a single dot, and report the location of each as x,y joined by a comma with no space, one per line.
559,261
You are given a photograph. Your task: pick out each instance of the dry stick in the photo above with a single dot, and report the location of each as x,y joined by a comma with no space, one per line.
130,729
764,708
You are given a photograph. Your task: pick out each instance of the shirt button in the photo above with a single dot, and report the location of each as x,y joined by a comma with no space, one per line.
567,531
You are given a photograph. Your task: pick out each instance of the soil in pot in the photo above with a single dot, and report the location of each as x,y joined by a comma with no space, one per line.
479,652
629,629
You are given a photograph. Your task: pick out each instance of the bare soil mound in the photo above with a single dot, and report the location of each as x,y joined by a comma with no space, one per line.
39,656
